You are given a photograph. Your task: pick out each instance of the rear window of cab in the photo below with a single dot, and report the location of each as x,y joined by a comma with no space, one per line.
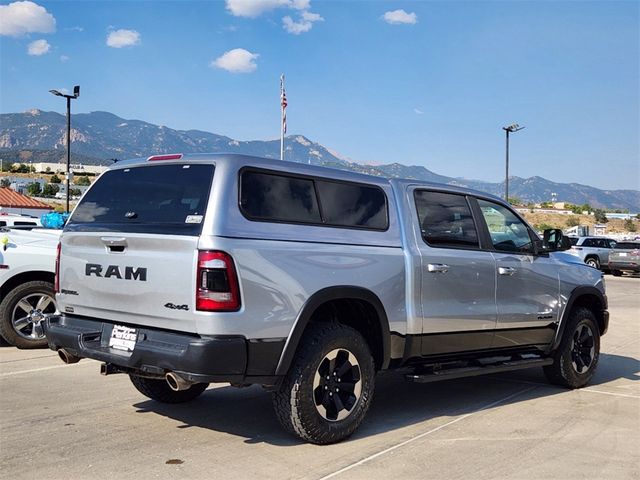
282,198
169,199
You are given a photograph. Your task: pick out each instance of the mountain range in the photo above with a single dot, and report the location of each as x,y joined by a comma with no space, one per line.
98,137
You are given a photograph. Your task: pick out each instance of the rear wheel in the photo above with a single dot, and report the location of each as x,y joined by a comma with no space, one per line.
159,390
576,358
593,262
329,387
22,309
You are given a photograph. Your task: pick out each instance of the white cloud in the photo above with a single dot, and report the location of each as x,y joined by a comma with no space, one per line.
64,58
255,8
237,60
417,111
123,38
38,47
75,29
20,18
397,17
304,25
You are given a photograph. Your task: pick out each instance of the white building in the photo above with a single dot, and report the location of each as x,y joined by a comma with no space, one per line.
77,168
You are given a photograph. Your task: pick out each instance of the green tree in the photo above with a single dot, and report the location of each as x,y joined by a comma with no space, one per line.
22,168
55,179
50,190
572,222
84,181
5,182
546,205
48,170
599,216
515,201
75,192
629,225
34,189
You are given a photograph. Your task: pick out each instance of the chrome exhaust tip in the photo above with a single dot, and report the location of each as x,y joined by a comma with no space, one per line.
176,382
67,357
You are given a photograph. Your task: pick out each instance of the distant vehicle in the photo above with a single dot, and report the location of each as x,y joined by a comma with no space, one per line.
27,266
594,251
625,257
15,220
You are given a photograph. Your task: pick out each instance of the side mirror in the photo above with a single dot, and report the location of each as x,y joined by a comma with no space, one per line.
553,240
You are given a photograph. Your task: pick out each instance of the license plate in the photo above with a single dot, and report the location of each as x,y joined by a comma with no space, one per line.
123,338
622,254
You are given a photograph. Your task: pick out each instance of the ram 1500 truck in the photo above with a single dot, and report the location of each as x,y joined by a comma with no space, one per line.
181,270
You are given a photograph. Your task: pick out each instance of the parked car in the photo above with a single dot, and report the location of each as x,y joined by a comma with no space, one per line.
594,251
20,221
184,270
625,257
27,266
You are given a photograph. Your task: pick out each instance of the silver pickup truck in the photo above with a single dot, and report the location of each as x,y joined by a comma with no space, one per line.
185,270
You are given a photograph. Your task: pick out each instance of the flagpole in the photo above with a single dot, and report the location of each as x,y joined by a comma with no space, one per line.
282,107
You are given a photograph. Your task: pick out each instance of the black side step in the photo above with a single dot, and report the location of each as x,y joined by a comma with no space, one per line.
447,374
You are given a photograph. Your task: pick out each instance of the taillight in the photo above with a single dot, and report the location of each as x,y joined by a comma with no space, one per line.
216,283
172,156
57,277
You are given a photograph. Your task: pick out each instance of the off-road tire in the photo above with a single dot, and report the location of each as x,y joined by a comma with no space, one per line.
159,390
294,401
9,303
593,262
562,372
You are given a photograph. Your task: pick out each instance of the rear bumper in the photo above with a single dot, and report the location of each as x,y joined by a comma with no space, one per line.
156,352
627,267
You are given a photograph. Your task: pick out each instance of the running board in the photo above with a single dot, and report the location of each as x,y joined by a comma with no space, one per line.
447,374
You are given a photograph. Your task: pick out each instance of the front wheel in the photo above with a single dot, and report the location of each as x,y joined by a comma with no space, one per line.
329,387
576,358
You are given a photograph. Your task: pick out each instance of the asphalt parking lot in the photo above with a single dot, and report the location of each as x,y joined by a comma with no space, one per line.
67,421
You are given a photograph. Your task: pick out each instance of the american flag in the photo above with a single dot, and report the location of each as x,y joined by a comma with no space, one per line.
283,104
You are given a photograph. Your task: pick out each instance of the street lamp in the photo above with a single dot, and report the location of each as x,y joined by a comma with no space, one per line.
510,129
76,94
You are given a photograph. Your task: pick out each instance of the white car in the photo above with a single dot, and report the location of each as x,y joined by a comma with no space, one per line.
27,271
21,221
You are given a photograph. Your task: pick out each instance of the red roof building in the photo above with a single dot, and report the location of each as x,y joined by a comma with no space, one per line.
14,202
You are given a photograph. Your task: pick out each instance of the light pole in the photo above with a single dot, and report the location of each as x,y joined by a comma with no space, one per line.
76,94
510,129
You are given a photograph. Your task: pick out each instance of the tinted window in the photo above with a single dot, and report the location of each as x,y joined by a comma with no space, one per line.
508,232
3,223
445,220
612,243
573,240
588,242
278,198
25,223
627,246
155,199
352,205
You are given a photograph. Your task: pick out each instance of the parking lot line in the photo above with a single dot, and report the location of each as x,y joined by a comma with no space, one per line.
424,434
33,370
608,393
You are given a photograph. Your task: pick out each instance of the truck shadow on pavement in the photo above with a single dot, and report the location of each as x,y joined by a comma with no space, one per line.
397,404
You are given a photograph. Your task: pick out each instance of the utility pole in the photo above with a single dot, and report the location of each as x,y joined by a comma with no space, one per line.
510,129
76,94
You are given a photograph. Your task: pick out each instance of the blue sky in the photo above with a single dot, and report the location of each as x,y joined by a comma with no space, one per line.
432,88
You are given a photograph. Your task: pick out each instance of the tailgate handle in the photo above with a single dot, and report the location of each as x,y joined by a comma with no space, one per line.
115,244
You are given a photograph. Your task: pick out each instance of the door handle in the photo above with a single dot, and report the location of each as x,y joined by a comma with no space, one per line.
506,270
437,267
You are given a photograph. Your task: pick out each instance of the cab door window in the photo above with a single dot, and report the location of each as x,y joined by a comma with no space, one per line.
508,233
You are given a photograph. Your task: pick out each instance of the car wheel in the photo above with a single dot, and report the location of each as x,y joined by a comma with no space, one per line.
22,309
616,273
593,262
160,391
576,359
329,387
